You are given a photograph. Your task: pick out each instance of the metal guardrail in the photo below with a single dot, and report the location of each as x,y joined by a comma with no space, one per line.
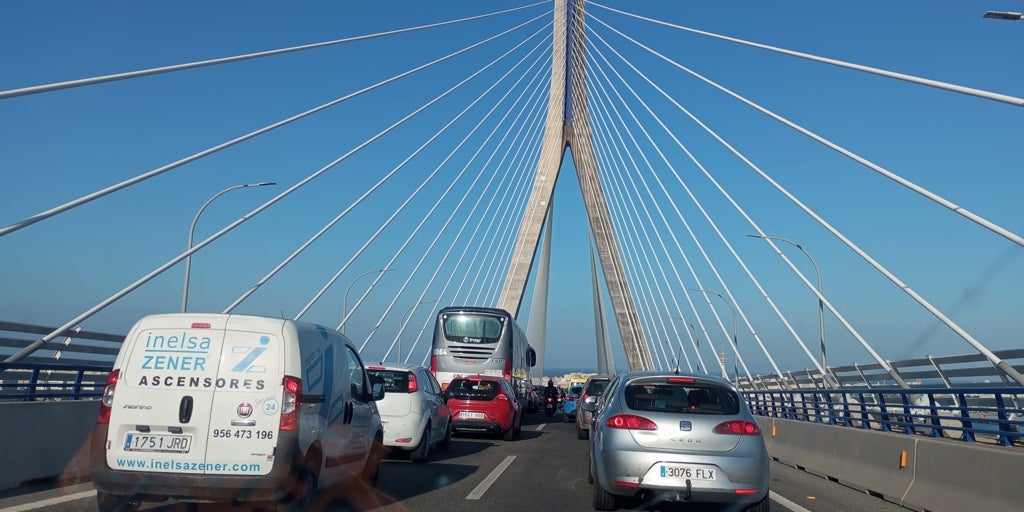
970,414
31,382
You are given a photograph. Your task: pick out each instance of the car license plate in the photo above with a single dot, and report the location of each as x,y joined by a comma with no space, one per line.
675,471
472,415
171,443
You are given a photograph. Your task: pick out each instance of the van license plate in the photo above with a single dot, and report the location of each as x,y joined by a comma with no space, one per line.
171,443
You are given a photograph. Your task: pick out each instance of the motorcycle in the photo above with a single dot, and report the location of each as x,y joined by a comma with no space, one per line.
549,406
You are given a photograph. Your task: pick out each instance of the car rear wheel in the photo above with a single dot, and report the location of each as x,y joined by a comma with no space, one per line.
446,442
115,503
764,505
603,500
510,434
422,452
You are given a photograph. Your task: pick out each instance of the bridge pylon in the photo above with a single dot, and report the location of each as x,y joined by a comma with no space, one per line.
567,127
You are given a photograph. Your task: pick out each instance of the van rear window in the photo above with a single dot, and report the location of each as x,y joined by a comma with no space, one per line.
693,398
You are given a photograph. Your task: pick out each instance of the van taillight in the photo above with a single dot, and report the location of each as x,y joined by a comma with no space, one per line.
108,397
413,385
291,403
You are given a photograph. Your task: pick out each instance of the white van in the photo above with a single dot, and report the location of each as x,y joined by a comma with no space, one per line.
217,407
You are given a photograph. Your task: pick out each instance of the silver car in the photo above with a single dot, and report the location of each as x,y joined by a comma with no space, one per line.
592,390
414,412
659,436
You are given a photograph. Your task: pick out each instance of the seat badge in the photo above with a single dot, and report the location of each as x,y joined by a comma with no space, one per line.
685,425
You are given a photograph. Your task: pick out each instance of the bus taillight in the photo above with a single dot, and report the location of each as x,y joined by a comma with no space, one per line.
433,365
508,370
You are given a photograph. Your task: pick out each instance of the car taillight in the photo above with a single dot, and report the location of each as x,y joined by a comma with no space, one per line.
681,380
413,386
291,402
108,397
584,397
550,399
738,428
631,422
501,396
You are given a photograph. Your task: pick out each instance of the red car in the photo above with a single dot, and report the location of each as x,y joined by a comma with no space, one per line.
484,403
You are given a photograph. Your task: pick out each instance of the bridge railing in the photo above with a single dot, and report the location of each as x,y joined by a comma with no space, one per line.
73,366
31,382
971,414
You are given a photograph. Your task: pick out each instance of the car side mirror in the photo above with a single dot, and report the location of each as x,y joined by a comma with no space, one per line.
378,391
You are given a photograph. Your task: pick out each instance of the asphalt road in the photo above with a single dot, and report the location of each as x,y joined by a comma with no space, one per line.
545,469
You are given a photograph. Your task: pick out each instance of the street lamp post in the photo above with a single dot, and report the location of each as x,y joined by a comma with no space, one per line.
344,302
821,304
407,313
192,230
1004,15
735,346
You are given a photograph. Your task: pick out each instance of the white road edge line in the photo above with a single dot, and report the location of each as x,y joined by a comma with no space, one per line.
480,489
49,502
777,498
541,426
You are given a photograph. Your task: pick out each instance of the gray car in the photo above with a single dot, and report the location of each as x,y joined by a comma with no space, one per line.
659,436
592,390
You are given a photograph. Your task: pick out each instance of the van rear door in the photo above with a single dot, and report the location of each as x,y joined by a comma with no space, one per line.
196,397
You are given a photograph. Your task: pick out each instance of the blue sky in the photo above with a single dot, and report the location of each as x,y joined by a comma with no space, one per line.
57,146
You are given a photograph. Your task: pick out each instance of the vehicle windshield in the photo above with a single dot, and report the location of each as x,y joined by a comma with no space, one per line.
678,397
473,328
395,381
597,387
473,389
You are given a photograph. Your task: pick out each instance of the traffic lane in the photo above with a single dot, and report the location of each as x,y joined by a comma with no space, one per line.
816,494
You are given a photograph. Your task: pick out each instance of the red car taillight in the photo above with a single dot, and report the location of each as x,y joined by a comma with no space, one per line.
631,422
413,385
291,402
108,397
738,428
501,396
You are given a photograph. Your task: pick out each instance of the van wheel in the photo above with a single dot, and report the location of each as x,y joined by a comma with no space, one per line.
422,452
371,472
304,493
115,503
446,443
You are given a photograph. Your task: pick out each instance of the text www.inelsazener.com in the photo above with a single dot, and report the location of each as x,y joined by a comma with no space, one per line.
174,465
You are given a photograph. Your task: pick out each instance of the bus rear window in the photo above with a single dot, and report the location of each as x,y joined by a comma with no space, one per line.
473,328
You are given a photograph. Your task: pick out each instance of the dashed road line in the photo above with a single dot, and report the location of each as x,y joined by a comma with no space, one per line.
491,478
781,500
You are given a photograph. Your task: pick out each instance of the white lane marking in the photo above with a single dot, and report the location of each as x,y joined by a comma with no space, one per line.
52,501
541,426
480,489
776,497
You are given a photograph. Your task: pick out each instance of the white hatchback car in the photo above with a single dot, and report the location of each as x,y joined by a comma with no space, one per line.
414,412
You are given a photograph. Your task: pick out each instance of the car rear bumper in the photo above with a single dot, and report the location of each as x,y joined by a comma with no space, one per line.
158,486
481,425
628,473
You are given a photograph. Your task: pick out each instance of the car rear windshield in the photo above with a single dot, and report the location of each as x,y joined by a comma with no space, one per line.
395,381
596,387
467,389
694,398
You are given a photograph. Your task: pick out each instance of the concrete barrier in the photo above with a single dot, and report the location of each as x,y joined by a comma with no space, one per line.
46,440
913,471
